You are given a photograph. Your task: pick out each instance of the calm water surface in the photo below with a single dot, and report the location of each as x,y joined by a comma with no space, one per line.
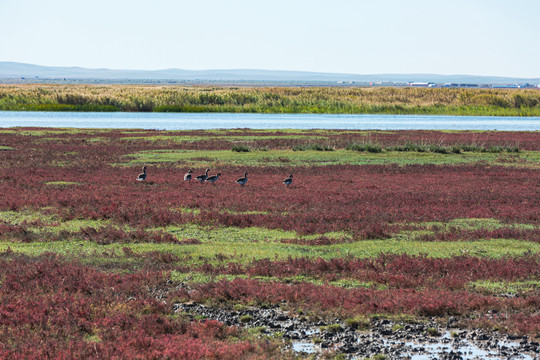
190,121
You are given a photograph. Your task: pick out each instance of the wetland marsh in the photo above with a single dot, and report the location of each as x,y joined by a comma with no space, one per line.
388,236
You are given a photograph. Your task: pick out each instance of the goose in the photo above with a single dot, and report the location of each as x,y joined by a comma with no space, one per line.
213,178
187,177
243,180
288,181
202,177
142,176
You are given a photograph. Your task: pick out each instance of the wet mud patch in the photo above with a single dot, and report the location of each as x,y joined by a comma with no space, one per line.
391,339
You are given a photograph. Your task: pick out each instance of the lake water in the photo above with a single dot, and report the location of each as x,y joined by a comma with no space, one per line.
190,121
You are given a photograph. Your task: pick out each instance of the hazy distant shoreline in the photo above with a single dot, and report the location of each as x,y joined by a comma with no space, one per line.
14,72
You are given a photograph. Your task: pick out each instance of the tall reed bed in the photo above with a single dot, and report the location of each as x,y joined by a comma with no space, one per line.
136,98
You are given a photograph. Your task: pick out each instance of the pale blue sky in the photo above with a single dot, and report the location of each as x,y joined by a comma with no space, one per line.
479,37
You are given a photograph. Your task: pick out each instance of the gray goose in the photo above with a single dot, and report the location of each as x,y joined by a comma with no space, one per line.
187,177
213,178
202,177
288,181
243,180
142,176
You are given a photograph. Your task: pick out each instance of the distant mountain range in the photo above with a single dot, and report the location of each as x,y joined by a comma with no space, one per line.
20,72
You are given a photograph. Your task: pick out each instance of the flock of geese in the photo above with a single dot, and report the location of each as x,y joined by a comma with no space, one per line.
212,179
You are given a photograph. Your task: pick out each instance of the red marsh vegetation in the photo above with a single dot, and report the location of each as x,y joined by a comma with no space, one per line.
53,307
365,200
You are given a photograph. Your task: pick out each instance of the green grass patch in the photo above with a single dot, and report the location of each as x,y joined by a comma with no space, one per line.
219,253
25,216
41,222
52,131
501,287
313,147
229,235
430,228
61,183
475,223
223,244
488,224
461,224
210,135
77,224
200,278
320,158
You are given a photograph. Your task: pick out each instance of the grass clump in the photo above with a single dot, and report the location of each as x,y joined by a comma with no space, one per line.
333,328
258,330
365,147
358,323
241,148
246,318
